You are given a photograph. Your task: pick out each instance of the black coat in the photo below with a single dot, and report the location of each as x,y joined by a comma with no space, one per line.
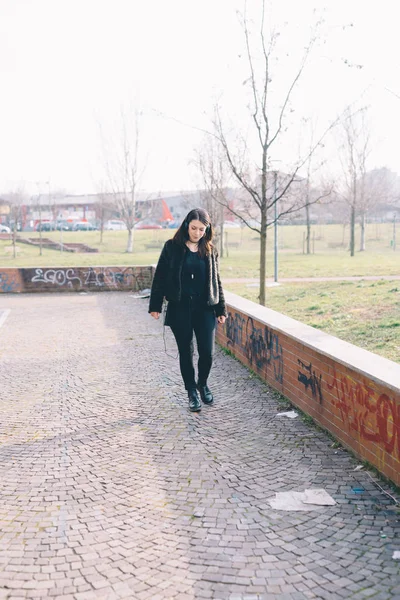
167,281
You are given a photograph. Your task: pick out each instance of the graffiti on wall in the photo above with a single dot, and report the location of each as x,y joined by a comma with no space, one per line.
105,276
308,377
91,277
8,282
235,324
260,344
56,277
376,418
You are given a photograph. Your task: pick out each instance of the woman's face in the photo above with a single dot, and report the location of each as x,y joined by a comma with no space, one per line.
196,230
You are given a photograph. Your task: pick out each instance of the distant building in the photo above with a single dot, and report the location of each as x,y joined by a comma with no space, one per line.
161,208
4,211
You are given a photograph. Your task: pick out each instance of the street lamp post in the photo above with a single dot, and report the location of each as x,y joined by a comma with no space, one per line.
275,229
40,219
39,184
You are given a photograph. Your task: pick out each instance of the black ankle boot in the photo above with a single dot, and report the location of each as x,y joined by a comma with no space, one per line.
205,393
194,401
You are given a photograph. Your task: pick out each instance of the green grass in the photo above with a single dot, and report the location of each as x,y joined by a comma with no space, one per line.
327,264
111,252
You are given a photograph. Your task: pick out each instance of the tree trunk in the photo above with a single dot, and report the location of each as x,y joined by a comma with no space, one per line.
14,239
129,247
263,257
308,225
101,222
362,240
40,229
221,241
352,229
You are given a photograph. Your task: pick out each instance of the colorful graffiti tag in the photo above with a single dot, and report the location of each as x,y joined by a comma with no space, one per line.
376,418
9,281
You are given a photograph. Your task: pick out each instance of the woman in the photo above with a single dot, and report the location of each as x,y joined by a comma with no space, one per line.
187,276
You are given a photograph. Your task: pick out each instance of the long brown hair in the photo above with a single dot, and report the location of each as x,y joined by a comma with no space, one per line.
182,235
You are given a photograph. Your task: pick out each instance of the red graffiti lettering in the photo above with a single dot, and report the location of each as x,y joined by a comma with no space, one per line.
388,419
375,419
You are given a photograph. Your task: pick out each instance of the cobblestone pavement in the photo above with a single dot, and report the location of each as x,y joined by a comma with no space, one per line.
111,489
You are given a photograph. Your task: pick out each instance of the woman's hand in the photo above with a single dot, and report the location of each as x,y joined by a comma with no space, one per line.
155,315
221,319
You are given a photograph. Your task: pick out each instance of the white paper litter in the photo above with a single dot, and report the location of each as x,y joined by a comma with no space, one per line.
320,497
396,555
358,468
291,414
289,501
307,500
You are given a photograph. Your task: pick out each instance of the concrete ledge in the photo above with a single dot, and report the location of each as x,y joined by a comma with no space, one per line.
351,392
367,363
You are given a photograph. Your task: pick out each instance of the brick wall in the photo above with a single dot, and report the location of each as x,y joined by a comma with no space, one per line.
351,392
75,279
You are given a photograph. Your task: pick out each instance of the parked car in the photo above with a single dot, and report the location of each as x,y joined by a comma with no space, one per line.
83,226
114,225
46,226
147,225
64,226
4,229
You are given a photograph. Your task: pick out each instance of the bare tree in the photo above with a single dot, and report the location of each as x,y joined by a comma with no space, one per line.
16,199
106,207
313,194
123,172
354,152
307,207
378,191
215,176
264,187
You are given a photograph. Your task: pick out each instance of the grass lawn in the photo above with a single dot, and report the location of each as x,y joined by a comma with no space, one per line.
327,264
364,313
110,252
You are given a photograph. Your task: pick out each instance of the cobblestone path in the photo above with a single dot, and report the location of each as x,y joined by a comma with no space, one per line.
110,488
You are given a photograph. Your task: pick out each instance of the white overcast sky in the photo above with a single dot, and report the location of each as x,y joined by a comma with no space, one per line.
67,66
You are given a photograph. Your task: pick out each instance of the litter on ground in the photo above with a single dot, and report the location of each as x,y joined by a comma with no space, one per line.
312,499
291,414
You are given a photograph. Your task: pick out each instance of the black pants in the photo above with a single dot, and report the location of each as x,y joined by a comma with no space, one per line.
184,318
